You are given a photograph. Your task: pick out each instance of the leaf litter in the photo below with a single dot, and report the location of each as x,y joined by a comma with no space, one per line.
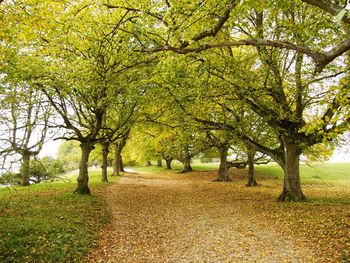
188,218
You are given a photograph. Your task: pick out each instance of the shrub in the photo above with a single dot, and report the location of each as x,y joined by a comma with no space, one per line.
45,169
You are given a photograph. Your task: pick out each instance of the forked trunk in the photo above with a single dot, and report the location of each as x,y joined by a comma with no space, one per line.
251,173
83,178
168,162
105,152
223,168
291,188
118,160
25,169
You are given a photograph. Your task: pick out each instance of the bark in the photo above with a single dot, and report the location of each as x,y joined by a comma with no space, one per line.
83,178
292,187
159,163
223,169
105,151
118,160
121,164
25,169
168,162
331,8
251,173
118,165
114,165
186,162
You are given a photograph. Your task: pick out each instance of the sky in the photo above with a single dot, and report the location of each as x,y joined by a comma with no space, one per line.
50,148
341,154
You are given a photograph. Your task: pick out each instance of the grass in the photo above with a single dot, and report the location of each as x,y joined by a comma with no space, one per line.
176,166
320,173
48,223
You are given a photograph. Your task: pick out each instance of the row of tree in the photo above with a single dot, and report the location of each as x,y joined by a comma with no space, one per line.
265,76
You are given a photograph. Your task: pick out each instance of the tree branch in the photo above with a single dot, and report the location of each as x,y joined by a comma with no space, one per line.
321,59
328,7
273,153
317,56
215,30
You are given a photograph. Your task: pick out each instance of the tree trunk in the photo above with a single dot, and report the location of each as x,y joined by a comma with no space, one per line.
291,188
186,165
223,168
159,163
168,162
121,164
83,178
25,169
118,161
118,165
251,173
105,152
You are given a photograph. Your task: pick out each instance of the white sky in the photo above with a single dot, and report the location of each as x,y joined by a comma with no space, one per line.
340,154
50,148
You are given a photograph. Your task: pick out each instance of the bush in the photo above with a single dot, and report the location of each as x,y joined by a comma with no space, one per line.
45,169
10,178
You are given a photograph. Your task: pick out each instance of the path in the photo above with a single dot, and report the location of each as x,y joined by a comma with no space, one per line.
188,218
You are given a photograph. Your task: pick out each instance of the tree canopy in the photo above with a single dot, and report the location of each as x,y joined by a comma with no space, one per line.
265,76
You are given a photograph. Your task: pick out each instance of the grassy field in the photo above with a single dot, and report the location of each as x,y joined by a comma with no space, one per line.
318,173
48,223
176,166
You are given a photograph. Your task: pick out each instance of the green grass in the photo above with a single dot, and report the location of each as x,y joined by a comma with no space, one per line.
176,166
320,173
48,223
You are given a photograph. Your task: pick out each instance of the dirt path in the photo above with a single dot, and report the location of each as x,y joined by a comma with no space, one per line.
188,218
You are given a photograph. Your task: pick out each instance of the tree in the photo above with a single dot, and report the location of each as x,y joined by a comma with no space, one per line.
194,27
80,61
120,117
284,69
221,140
69,154
281,96
45,169
163,147
284,100
25,114
82,109
118,148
